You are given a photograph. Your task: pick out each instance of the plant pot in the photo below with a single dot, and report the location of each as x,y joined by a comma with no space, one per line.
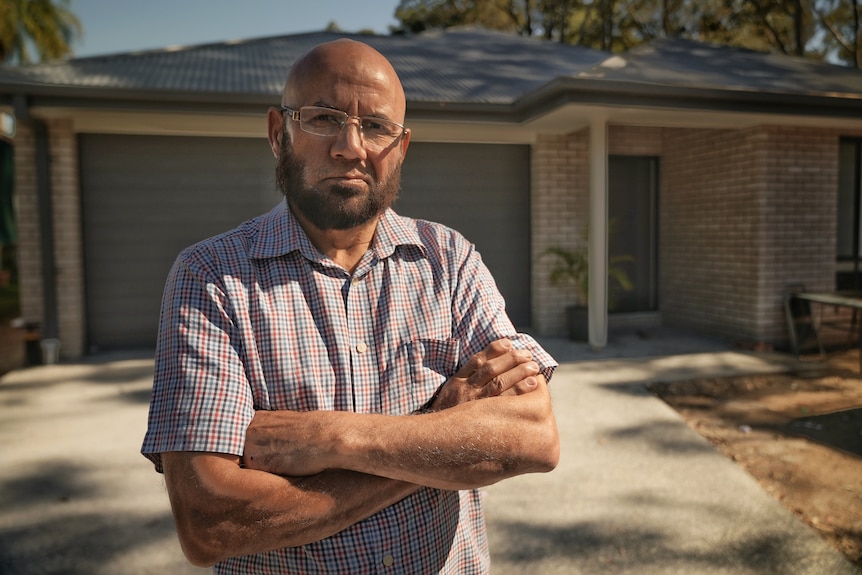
578,322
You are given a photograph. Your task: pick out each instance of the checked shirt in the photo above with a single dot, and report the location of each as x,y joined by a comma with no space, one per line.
257,318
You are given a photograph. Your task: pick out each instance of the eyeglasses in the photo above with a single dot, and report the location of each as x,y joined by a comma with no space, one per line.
377,133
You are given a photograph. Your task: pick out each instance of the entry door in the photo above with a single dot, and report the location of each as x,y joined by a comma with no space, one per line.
633,232
849,241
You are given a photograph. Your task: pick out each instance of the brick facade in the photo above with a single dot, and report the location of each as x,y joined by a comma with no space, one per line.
742,214
560,188
27,220
68,246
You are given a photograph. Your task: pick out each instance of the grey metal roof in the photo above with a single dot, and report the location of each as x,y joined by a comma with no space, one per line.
459,65
689,64
453,71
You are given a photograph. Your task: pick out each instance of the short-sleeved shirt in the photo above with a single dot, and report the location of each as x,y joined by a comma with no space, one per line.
258,319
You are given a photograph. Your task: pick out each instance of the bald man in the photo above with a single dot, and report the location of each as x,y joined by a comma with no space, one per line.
334,382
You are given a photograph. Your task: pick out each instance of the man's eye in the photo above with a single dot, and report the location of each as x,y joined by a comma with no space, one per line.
324,118
368,124
371,126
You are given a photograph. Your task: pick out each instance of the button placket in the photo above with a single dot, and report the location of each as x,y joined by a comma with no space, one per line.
361,343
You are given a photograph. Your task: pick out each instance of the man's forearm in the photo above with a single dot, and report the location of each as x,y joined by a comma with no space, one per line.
222,510
470,445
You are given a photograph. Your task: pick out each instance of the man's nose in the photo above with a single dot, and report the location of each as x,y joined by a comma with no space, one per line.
349,143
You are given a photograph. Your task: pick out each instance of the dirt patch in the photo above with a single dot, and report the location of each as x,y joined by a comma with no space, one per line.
798,434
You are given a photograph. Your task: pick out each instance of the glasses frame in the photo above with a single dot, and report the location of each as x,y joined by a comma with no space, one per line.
295,114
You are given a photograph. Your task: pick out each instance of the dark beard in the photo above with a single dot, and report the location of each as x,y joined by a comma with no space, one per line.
329,209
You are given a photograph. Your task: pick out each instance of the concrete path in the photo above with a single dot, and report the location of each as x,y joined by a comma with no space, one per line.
636,491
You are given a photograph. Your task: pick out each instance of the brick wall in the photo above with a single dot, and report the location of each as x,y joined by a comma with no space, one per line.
27,219
68,250
560,184
68,243
634,141
742,214
709,216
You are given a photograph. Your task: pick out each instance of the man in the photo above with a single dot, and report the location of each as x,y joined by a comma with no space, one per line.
334,382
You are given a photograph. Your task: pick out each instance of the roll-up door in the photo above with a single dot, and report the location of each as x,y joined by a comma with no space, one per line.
483,191
145,198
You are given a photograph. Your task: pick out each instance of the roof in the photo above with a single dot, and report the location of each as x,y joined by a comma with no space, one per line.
453,71
459,65
685,63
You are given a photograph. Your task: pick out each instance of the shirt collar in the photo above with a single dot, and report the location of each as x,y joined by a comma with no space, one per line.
279,233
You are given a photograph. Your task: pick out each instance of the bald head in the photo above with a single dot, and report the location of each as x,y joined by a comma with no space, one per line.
345,69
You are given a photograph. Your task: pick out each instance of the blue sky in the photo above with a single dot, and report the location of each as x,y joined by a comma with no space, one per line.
125,25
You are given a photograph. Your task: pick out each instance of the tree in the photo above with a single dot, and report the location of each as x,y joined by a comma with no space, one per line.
48,26
811,28
841,29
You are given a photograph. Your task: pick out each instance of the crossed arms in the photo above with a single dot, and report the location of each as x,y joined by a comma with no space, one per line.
305,476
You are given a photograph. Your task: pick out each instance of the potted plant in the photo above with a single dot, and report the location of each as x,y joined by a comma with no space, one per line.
571,270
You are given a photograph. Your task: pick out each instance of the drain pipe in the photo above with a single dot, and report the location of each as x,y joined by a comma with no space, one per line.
49,328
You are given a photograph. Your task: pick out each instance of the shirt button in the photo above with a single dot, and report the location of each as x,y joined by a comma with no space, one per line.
388,561
361,347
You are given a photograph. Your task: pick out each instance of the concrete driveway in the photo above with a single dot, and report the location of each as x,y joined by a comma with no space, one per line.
636,491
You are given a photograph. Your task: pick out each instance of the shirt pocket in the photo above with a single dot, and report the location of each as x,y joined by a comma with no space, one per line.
415,372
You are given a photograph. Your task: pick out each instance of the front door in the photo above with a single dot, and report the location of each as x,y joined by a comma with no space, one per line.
633,231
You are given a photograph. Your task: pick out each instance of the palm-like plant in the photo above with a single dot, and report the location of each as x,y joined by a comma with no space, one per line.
48,26
571,268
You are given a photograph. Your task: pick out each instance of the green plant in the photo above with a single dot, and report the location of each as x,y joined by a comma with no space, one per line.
571,269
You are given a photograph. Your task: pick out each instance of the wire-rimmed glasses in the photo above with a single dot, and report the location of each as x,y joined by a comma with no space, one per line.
376,133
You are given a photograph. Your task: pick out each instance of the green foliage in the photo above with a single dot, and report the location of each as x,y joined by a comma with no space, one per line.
571,270
48,26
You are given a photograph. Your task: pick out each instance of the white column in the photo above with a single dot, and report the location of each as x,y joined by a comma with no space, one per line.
598,236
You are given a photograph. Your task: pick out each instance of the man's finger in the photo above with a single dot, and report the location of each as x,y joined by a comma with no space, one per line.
493,368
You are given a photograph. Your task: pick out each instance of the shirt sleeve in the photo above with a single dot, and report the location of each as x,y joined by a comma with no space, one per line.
201,398
480,313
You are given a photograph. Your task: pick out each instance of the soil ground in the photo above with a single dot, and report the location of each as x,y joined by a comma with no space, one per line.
799,434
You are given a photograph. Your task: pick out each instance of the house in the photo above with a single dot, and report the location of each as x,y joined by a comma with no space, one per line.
727,174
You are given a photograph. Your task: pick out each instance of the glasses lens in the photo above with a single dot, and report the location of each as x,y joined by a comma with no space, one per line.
379,132
321,121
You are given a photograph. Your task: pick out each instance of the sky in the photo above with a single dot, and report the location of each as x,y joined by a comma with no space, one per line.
112,26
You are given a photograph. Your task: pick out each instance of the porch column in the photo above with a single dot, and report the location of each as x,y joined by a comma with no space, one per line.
598,233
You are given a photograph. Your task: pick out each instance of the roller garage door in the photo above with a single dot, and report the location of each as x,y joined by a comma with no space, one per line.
483,191
145,198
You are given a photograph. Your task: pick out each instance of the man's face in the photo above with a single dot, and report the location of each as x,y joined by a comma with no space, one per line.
338,182
334,205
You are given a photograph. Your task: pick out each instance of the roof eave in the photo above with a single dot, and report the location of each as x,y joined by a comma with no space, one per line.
614,93
83,97
557,93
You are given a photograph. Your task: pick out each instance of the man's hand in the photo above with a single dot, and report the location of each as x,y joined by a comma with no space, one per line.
499,369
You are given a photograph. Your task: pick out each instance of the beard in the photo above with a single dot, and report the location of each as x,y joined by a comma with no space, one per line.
332,208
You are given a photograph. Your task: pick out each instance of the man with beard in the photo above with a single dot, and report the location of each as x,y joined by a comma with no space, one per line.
334,382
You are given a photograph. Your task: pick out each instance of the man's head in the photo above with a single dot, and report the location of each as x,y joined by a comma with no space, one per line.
344,180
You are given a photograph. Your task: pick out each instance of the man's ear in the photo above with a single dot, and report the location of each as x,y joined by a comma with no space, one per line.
405,142
275,129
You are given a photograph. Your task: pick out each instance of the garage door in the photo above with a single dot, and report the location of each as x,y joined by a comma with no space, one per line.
144,200
483,191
